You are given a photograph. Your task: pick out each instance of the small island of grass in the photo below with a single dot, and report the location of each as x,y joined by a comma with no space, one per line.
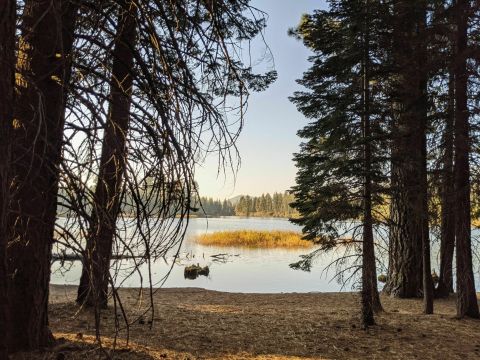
255,239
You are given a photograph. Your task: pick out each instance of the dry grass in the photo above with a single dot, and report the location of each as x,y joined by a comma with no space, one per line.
201,324
255,239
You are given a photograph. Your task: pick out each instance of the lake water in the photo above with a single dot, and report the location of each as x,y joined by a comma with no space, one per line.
245,270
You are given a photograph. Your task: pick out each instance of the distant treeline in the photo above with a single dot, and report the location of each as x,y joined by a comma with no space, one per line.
276,205
211,207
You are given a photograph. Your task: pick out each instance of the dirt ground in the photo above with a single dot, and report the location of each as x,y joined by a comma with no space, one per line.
199,324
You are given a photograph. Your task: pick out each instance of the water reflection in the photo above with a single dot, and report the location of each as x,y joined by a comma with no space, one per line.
230,269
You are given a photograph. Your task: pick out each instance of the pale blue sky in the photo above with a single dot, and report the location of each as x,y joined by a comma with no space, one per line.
269,139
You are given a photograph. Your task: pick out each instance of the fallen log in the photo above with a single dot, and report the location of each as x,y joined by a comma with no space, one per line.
77,257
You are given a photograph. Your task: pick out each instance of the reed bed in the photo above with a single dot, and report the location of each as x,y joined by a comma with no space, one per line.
254,239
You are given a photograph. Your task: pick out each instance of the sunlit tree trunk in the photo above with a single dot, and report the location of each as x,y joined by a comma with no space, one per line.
93,288
37,136
467,304
7,71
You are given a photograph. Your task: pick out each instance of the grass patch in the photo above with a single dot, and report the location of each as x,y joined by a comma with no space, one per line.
255,239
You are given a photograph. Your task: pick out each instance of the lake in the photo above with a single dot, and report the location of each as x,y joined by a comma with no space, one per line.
243,270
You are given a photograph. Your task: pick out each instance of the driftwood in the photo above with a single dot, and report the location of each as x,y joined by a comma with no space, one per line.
222,258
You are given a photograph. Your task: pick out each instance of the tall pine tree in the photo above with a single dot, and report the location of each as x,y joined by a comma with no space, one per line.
7,69
341,162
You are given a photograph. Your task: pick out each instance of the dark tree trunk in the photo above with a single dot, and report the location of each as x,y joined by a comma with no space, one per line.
421,65
447,240
93,288
467,304
407,229
370,296
37,136
7,81
428,287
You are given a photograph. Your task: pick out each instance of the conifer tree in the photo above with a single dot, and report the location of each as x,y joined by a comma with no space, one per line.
43,67
7,69
340,177
467,304
93,287
409,229
447,236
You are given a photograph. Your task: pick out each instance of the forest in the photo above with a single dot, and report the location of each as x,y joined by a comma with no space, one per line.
266,205
107,110
391,92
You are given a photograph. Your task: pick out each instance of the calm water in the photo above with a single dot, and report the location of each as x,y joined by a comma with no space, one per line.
245,270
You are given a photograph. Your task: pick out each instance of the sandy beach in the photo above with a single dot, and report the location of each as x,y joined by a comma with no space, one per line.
192,323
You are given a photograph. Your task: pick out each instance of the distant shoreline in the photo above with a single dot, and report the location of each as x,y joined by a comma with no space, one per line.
238,217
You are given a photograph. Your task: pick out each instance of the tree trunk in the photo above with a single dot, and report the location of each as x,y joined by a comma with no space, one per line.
37,136
447,240
370,296
467,304
7,81
428,288
407,229
421,108
93,288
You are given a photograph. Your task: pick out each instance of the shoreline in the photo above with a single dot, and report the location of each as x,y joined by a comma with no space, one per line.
195,323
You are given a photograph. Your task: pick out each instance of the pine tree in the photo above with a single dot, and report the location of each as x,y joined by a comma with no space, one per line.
467,304
93,288
277,204
7,69
340,178
268,205
409,218
240,208
447,237
42,70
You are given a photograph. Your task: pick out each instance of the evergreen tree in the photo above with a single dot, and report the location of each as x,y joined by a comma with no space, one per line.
7,80
43,66
268,204
443,23
408,93
93,287
277,204
240,207
467,304
334,181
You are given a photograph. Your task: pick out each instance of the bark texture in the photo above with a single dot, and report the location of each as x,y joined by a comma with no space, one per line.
93,288
37,135
422,67
408,218
467,304
370,296
447,240
7,81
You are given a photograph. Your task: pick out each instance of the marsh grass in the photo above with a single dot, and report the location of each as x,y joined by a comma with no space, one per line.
255,239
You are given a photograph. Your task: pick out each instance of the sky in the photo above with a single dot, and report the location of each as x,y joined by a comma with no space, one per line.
269,138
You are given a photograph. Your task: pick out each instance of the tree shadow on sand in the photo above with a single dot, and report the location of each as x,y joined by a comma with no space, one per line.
80,347
194,323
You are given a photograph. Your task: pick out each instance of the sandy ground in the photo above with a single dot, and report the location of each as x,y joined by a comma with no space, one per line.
200,324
